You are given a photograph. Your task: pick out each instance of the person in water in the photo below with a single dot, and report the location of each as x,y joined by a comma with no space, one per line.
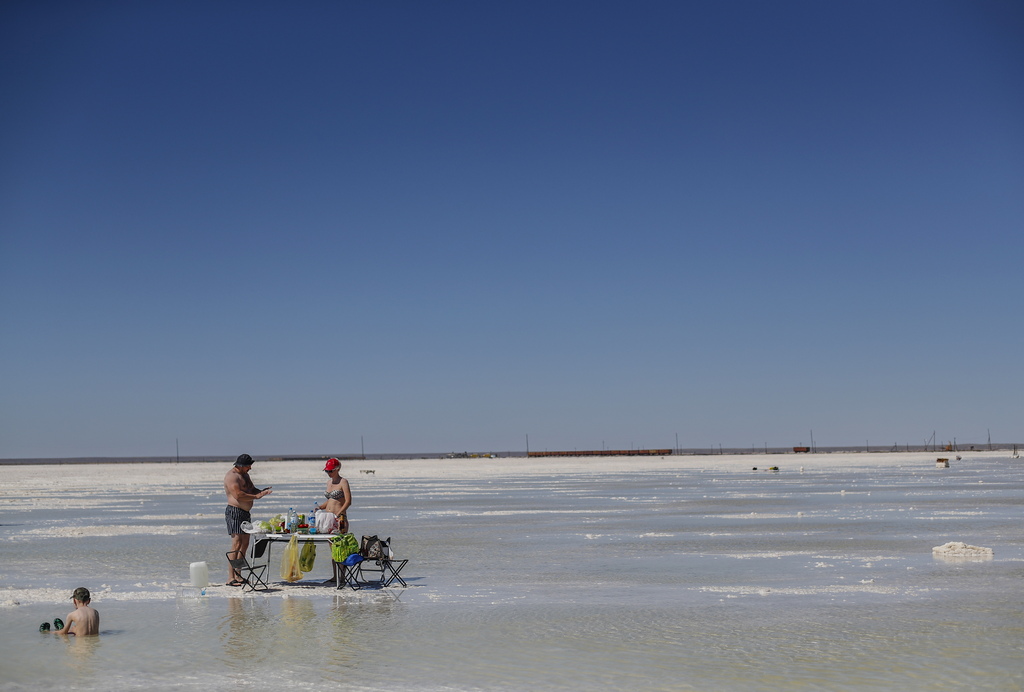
241,494
84,620
338,494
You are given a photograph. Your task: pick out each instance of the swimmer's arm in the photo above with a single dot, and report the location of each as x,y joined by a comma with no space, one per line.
237,490
250,487
68,621
254,492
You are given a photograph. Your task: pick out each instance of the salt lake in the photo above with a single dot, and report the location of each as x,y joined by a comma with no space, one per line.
670,573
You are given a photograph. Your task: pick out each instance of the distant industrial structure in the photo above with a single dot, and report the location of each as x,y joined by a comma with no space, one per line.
606,453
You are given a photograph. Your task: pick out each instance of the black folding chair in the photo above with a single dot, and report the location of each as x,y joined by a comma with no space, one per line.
385,571
253,574
390,570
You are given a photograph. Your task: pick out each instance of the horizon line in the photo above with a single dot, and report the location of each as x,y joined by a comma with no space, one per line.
689,451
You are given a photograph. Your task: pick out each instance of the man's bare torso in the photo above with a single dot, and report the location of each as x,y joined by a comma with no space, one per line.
237,485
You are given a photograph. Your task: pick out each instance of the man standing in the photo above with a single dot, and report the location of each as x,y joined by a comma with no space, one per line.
241,494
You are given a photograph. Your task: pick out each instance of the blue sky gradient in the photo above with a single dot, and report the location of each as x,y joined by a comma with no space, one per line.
445,226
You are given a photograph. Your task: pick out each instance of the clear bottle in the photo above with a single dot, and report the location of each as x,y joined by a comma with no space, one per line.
292,520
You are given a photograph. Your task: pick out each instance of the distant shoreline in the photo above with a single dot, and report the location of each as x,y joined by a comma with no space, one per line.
488,456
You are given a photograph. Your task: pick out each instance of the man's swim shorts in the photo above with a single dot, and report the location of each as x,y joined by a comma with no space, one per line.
234,516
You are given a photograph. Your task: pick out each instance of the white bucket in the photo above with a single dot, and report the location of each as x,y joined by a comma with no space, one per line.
200,574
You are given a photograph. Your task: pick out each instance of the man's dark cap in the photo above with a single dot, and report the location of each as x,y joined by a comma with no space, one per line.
243,460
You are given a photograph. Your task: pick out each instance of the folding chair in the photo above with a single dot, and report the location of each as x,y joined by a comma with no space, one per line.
259,553
254,575
348,572
390,570
387,571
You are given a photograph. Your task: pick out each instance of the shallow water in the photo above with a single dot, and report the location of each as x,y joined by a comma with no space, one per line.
681,579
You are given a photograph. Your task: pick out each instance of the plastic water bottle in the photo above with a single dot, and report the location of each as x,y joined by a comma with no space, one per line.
291,520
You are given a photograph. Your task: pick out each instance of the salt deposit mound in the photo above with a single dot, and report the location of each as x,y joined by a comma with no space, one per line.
956,549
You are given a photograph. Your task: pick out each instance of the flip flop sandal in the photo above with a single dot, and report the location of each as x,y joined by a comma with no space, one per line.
236,583
45,627
58,624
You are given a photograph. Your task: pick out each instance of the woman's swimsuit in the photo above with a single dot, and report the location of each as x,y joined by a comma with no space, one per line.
339,495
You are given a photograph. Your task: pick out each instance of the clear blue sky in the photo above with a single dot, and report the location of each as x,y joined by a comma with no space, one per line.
283,227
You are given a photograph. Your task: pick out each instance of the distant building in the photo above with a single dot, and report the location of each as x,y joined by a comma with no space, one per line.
607,453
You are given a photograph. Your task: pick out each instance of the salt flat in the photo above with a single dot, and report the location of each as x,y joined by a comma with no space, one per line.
821,575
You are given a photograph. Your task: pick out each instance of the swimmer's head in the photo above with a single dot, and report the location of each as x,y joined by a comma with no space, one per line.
81,595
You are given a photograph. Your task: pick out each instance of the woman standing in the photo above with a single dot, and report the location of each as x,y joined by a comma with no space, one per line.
338,494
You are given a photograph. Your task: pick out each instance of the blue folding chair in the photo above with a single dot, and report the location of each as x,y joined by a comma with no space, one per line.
348,573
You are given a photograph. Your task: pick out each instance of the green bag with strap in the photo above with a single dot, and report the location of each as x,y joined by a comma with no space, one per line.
342,546
307,556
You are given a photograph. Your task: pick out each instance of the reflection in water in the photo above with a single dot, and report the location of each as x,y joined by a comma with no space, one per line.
357,632
83,653
340,636
296,616
246,633
317,639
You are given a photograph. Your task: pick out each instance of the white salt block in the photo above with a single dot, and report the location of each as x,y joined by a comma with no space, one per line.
959,549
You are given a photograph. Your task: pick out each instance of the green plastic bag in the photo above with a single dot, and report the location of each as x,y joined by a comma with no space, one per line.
308,555
290,560
342,546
